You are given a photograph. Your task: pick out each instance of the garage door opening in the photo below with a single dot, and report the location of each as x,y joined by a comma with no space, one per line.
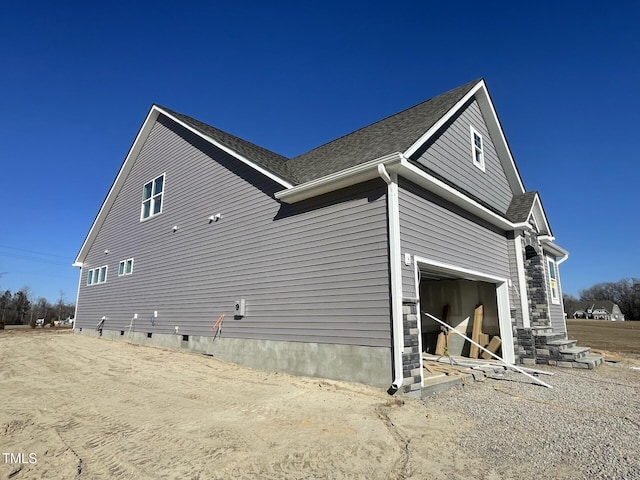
454,293
457,300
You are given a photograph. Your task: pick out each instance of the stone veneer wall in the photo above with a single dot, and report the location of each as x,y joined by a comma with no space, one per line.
536,283
411,361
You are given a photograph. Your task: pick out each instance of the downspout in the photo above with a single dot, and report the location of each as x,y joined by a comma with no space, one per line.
396,278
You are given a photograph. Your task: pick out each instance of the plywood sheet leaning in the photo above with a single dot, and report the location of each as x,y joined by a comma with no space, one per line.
478,315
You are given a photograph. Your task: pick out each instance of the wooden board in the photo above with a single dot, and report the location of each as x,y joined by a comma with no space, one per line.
477,330
493,347
440,344
483,339
442,341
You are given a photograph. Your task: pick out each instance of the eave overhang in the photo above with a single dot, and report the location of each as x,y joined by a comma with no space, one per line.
546,241
399,164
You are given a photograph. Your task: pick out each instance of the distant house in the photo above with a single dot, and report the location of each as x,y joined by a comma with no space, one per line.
322,264
599,310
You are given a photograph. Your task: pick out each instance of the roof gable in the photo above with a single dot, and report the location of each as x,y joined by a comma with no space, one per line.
395,133
268,163
527,207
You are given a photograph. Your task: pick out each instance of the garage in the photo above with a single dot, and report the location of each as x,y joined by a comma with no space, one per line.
452,294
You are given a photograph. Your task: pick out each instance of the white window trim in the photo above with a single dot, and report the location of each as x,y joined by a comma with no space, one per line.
161,195
122,267
480,164
93,276
556,300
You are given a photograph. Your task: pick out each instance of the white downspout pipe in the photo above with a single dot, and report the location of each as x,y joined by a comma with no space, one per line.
396,277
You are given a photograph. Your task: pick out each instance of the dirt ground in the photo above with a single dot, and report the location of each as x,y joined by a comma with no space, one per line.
607,337
79,407
93,408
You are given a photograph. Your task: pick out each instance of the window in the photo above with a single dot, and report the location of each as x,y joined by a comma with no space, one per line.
477,148
97,275
553,281
125,267
152,198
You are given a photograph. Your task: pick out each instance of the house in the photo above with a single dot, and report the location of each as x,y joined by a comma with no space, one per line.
600,310
319,264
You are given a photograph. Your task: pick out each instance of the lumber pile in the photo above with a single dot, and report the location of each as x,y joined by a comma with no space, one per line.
491,343
438,369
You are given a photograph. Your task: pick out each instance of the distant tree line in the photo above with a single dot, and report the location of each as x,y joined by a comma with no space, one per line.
625,292
19,308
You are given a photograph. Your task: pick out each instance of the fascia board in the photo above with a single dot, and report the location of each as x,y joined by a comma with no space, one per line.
432,184
144,132
231,152
335,181
537,208
444,119
493,125
499,139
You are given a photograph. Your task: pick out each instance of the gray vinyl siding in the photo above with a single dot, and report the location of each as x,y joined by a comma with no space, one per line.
316,272
450,156
437,230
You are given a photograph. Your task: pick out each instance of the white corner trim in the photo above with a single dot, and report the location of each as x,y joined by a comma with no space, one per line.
522,282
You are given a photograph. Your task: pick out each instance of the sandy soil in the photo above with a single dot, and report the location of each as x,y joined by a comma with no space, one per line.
72,406
92,408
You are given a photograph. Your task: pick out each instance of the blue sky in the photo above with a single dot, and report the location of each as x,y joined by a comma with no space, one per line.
78,79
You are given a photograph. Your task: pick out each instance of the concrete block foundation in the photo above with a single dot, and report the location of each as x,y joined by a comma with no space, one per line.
352,363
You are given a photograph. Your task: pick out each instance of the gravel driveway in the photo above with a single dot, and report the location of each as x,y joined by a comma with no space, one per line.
587,426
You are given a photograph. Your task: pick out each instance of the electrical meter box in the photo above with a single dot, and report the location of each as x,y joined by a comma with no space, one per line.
238,308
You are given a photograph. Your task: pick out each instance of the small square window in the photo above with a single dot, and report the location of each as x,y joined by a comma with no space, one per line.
477,148
121,268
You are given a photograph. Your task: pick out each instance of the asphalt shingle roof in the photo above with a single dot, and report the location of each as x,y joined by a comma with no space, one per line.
271,161
520,207
392,134
395,133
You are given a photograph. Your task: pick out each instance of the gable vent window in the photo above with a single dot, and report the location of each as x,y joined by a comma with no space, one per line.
125,267
152,193
477,148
